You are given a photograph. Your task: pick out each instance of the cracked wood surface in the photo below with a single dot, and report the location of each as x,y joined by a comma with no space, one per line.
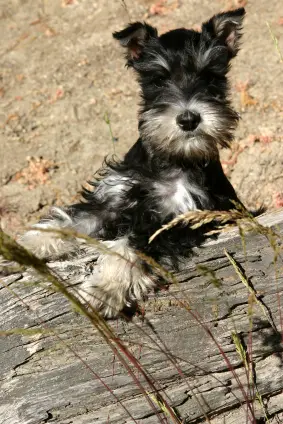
42,380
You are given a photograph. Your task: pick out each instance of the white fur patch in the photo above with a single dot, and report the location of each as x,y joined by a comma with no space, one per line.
160,61
118,279
50,245
176,197
47,244
112,186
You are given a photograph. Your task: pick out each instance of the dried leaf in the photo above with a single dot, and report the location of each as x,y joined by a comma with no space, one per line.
36,173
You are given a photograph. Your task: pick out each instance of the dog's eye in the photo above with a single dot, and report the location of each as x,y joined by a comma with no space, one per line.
159,81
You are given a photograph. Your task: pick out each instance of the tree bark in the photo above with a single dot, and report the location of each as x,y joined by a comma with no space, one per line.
60,374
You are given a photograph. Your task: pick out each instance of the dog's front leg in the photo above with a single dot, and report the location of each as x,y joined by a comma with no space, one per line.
51,245
119,279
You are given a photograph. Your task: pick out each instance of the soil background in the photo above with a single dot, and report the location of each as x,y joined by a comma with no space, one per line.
62,79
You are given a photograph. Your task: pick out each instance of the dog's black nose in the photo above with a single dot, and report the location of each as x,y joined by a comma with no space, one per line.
188,120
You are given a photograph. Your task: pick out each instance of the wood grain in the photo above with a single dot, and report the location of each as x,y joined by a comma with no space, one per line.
42,380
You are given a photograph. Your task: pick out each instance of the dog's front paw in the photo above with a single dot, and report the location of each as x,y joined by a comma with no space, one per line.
48,244
108,301
119,279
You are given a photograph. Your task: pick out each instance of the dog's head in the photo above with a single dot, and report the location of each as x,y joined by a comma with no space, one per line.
183,77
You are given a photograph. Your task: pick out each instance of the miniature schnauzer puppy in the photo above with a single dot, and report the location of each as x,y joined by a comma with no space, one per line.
173,168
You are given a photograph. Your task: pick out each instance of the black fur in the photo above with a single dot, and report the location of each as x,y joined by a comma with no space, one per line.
137,213
174,166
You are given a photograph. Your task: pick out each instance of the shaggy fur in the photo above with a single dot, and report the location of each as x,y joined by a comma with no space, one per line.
173,167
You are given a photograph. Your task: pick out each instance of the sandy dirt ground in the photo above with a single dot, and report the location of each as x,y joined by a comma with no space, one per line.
62,76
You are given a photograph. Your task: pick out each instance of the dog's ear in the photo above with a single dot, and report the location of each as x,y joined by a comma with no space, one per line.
227,28
134,37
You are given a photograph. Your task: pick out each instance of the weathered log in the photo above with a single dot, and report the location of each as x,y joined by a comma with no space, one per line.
59,375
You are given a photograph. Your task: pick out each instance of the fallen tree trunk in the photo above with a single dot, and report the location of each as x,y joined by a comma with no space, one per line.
211,344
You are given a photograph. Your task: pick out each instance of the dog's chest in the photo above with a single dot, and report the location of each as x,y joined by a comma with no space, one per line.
178,196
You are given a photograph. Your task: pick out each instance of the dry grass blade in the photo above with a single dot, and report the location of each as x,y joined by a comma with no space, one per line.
250,375
101,248
228,363
198,218
125,7
12,251
50,331
160,404
250,289
276,42
24,332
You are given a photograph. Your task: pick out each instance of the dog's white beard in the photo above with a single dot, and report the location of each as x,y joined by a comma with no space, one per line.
161,131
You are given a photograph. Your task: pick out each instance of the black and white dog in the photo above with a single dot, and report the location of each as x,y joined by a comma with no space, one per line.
174,166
